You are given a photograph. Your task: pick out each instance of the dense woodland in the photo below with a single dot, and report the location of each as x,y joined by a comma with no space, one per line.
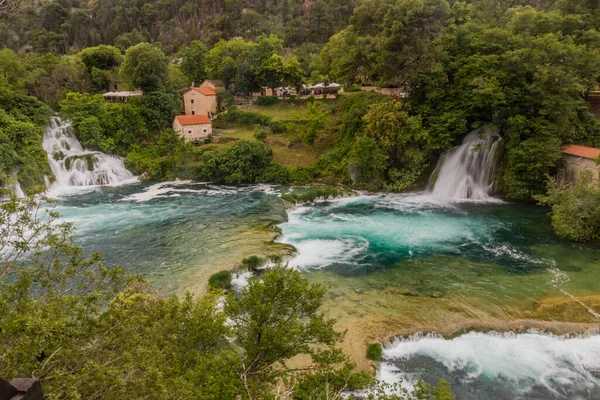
524,67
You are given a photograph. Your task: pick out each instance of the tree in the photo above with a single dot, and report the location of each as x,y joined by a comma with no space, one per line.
275,319
575,208
145,67
316,122
244,162
293,74
169,143
101,57
272,72
223,60
192,64
367,163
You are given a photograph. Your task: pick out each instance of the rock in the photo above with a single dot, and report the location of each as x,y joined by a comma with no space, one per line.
437,295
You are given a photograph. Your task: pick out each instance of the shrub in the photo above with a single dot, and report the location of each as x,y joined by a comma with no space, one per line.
277,127
260,133
374,351
575,208
244,162
266,100
276,173
253,262
237,116
302,175
220,280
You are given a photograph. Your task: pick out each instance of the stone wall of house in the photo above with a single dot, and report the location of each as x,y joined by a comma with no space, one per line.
193,132
196,103
572,166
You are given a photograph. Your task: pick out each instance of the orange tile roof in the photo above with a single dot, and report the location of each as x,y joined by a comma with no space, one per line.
207,91
193,119
580,151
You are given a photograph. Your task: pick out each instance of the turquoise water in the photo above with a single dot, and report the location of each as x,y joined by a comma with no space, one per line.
395,264
174,234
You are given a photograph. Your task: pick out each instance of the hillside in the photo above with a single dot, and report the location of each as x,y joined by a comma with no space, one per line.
71,25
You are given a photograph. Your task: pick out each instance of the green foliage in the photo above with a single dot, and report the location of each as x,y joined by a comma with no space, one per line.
113,128
528,165
575,208
21,130
367,163
422,391
316,122
331,383
276,173
145,67
193,61
302,175
267,341
313,193
265,100
260,133
244,162
220,280
253,262
277,127
236,116
101,57
374,351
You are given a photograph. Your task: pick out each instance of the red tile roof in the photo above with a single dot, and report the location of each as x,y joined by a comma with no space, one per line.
207,91
193,119
580,151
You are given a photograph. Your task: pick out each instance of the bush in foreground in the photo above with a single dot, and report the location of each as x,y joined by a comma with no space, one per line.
374,351
220,280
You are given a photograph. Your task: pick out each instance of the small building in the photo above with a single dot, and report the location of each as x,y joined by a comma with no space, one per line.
215,84
121,97
193,127
577,159
200,101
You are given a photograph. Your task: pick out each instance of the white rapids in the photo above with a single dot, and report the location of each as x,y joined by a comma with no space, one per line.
74,166
467,171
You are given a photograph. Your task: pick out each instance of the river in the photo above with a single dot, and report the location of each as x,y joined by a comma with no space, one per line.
396,265
459,277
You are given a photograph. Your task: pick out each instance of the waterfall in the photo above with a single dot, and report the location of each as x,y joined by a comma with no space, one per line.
467,171
72,165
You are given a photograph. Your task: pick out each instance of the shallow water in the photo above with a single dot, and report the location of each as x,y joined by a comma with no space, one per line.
176,234
395,264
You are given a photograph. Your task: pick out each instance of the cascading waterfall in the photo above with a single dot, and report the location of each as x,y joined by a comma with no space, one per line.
72,165
467,171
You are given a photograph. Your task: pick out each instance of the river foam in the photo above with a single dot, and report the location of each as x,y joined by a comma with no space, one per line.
499,365
385,228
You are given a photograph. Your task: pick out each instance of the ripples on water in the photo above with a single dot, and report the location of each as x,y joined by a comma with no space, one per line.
486,259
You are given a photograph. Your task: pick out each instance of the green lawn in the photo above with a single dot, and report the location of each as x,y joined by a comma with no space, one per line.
281,112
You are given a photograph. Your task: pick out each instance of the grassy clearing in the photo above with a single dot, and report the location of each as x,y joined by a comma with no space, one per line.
287,147
281,112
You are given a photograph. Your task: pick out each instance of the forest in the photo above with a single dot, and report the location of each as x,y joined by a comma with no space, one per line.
524,67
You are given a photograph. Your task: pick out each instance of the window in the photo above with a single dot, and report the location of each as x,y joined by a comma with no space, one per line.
192,101
193,112
190,131
205,130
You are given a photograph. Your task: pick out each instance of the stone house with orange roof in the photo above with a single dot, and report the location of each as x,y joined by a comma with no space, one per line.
200,101
193,127
577,159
